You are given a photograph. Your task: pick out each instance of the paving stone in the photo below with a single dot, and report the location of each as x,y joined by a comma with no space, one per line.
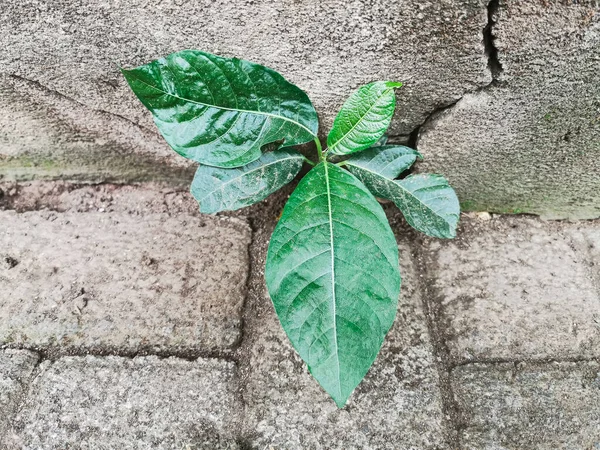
121,281
530,142
586,240
67,111
16,368
514,289
119,403
529,406
397,406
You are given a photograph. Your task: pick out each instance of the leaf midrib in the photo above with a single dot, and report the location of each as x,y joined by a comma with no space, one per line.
332,146
337,357
224,108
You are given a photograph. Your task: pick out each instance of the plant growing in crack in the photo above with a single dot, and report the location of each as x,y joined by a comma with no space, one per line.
332,265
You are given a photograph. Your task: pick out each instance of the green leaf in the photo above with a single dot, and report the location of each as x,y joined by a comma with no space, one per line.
217,189
387,160
221,111
427,201
363,119
332,273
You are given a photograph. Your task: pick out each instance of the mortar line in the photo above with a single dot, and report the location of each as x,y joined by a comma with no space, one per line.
441,353
55,353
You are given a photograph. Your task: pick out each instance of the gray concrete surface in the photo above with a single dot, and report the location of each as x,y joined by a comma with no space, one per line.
44,134
109,281
531,141
515,288
494,346
16,368
521,132
140,403
529,406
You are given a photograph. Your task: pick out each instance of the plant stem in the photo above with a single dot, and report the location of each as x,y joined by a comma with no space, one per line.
308,161
319,150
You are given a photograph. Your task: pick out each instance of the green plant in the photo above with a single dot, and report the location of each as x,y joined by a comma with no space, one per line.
332,265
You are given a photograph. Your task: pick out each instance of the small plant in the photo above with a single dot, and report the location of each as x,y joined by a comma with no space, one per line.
332,266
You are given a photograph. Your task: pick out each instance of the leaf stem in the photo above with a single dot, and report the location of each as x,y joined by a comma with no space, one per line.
306,160
319,150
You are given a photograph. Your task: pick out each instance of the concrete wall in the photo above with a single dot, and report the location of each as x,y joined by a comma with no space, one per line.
503,98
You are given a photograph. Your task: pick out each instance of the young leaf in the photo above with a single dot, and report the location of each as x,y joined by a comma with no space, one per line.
218,189
332,273
363,119
387,160
427,201
221,111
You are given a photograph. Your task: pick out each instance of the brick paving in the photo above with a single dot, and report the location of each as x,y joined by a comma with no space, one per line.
128,320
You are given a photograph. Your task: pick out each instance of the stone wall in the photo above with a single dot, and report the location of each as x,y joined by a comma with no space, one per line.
501,97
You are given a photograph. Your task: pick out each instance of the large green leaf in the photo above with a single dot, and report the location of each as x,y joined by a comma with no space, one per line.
221,111
217,189
332,273
427,201
387,160
363,119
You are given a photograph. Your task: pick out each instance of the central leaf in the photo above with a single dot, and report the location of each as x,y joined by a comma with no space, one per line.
363,119
332,273
222,111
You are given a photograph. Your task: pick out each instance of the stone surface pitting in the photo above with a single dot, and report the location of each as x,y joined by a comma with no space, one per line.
328,48
140,403
514,289
16,368
397,405
529,406
122,281
531,143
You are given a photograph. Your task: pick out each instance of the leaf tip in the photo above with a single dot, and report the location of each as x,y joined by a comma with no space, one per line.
394,84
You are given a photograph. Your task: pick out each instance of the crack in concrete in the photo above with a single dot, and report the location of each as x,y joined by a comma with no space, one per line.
491,51
494,65
58,94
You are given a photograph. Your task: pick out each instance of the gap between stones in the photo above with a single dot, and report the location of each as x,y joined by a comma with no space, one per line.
441,353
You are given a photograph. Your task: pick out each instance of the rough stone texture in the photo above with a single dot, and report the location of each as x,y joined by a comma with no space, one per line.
514,289
531,142
118,279
328,48
526,406
16,367
397,405
111,402
44,134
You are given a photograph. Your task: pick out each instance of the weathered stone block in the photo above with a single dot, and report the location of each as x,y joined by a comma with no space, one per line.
328,48
529,406
122,281
397,405
45,135
530,142
514,288
147,402
16,368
